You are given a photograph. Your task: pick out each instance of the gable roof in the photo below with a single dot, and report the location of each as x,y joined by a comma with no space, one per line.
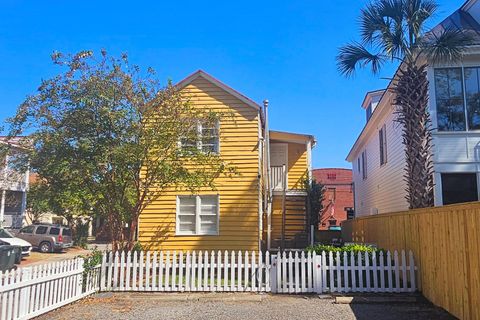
218,83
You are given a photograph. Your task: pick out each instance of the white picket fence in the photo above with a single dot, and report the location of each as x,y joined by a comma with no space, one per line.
190,271
342,272
291,272
29,292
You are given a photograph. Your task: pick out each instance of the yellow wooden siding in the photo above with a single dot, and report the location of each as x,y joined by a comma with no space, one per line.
446,245
295,219
297,165
238,222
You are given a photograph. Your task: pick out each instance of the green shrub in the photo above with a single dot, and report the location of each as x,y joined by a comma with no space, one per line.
137,247
90,262
355,248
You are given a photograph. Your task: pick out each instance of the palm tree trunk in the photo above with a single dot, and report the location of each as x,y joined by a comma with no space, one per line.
411,101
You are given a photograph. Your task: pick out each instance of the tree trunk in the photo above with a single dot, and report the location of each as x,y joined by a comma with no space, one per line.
411,101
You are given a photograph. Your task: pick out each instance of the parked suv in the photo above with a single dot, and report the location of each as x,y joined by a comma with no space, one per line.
47,237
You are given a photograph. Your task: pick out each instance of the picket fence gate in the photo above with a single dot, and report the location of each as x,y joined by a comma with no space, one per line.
31,291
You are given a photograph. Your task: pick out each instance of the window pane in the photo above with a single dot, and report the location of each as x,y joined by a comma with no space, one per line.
459,187
28,229
208,224
187,206
188,145
449,96
208,215
41,230
55,231
209,139
186,224
473,97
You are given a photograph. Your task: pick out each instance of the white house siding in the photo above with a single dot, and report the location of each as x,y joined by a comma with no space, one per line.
383,190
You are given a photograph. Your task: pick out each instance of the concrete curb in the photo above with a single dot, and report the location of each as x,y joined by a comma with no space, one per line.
186,297
374,299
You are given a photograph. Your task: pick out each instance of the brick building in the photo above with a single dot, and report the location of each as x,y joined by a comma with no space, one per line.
338,196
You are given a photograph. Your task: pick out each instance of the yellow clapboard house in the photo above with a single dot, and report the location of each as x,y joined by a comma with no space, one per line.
262,207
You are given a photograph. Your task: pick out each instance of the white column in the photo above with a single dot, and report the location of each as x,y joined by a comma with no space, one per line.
309,160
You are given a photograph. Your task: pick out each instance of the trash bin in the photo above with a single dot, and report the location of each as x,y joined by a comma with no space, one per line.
18,254
7,257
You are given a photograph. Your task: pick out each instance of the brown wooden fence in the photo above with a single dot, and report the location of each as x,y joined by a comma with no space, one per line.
446,245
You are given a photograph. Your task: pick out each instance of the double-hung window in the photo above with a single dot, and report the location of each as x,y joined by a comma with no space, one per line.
197,215
205,138
382,140
457,92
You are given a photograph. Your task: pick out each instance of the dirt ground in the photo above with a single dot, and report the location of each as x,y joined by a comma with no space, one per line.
37,257
236,306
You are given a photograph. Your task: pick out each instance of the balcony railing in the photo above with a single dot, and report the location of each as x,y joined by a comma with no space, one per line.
277,177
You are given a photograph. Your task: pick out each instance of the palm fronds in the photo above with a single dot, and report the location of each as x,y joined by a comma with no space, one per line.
356,55
447,46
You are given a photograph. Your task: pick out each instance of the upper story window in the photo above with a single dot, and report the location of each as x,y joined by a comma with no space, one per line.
382,141
331,176
457,109
205,138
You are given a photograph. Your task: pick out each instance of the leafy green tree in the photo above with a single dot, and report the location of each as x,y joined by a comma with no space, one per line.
315,196
38,203
105,134
394,30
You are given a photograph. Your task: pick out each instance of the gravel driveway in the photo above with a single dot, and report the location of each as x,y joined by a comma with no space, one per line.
235,306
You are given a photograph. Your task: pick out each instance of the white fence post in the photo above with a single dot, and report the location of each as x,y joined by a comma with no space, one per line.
318,269
273,273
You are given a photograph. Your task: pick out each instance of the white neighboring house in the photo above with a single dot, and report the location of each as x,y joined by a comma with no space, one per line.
13,189
378,155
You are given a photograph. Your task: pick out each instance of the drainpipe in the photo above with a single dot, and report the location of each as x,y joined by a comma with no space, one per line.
267,182
261,154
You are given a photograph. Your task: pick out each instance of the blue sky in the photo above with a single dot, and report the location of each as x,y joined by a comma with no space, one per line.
280,50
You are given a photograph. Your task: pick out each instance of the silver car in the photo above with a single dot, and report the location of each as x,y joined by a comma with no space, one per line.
47,237
9,238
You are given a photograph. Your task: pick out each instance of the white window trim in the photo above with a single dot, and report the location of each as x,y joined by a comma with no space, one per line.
197,216
434,111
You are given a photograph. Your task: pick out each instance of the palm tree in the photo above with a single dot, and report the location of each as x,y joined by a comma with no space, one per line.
394,31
